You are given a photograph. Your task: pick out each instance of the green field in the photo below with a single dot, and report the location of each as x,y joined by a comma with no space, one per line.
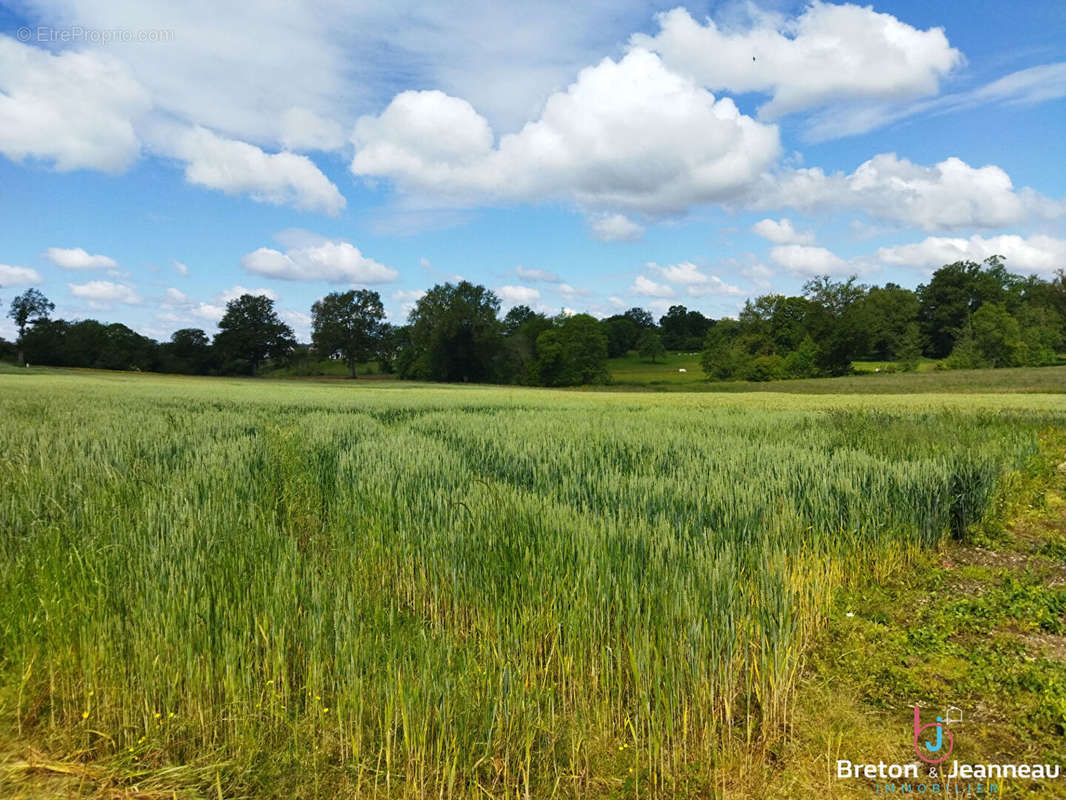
635,373
266,588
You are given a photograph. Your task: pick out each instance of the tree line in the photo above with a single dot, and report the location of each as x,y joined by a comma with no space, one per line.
967,315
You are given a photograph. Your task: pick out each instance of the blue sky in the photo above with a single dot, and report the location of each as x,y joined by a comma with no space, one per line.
155,162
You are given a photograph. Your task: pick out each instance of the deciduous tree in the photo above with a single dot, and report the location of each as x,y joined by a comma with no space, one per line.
348,325
251,331
29,308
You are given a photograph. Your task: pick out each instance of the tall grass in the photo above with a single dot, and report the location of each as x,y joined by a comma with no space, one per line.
448,592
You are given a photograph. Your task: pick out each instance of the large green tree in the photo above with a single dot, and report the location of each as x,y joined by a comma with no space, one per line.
250,331
683,329
998,336
187,352
348,325
522,327
572,353
955,292
650,346
884,313
27,309
835,322
455,335
622,334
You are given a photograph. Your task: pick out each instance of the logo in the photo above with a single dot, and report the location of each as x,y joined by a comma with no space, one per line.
936,751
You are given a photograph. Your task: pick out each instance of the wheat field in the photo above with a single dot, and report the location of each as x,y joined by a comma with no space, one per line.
302,590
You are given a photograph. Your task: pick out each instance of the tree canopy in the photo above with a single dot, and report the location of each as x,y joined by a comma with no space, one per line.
348,325
455,334
251,331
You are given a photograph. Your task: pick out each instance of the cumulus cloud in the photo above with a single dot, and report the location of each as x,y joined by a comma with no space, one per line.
615,228
781,232
649,288
533,274
75,110
626,136
175,297
518,295
101,294
335,262
18,276
212,312
236,167
76,258
180,268
685,273
830,53
947,196
696,282
568,291
806,260
1039,254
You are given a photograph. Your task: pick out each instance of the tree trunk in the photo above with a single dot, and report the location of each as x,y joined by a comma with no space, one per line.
351,367
22,358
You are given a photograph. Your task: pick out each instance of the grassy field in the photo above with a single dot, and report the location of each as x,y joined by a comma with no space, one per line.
634,373
257,588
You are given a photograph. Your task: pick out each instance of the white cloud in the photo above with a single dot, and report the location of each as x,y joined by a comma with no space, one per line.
696,283
74,109
568,291
180,268
829,54
339,60
300,321
408,295
236,167
1024,87
18,276
335,262
100,294
1040,254
806,260
685,273
947,196
615,228
76,258
303,129
759,274
175,297
408,299
659,307
715,286
226,295
649,288
625,136
533,274
518,295
209,311
781,232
